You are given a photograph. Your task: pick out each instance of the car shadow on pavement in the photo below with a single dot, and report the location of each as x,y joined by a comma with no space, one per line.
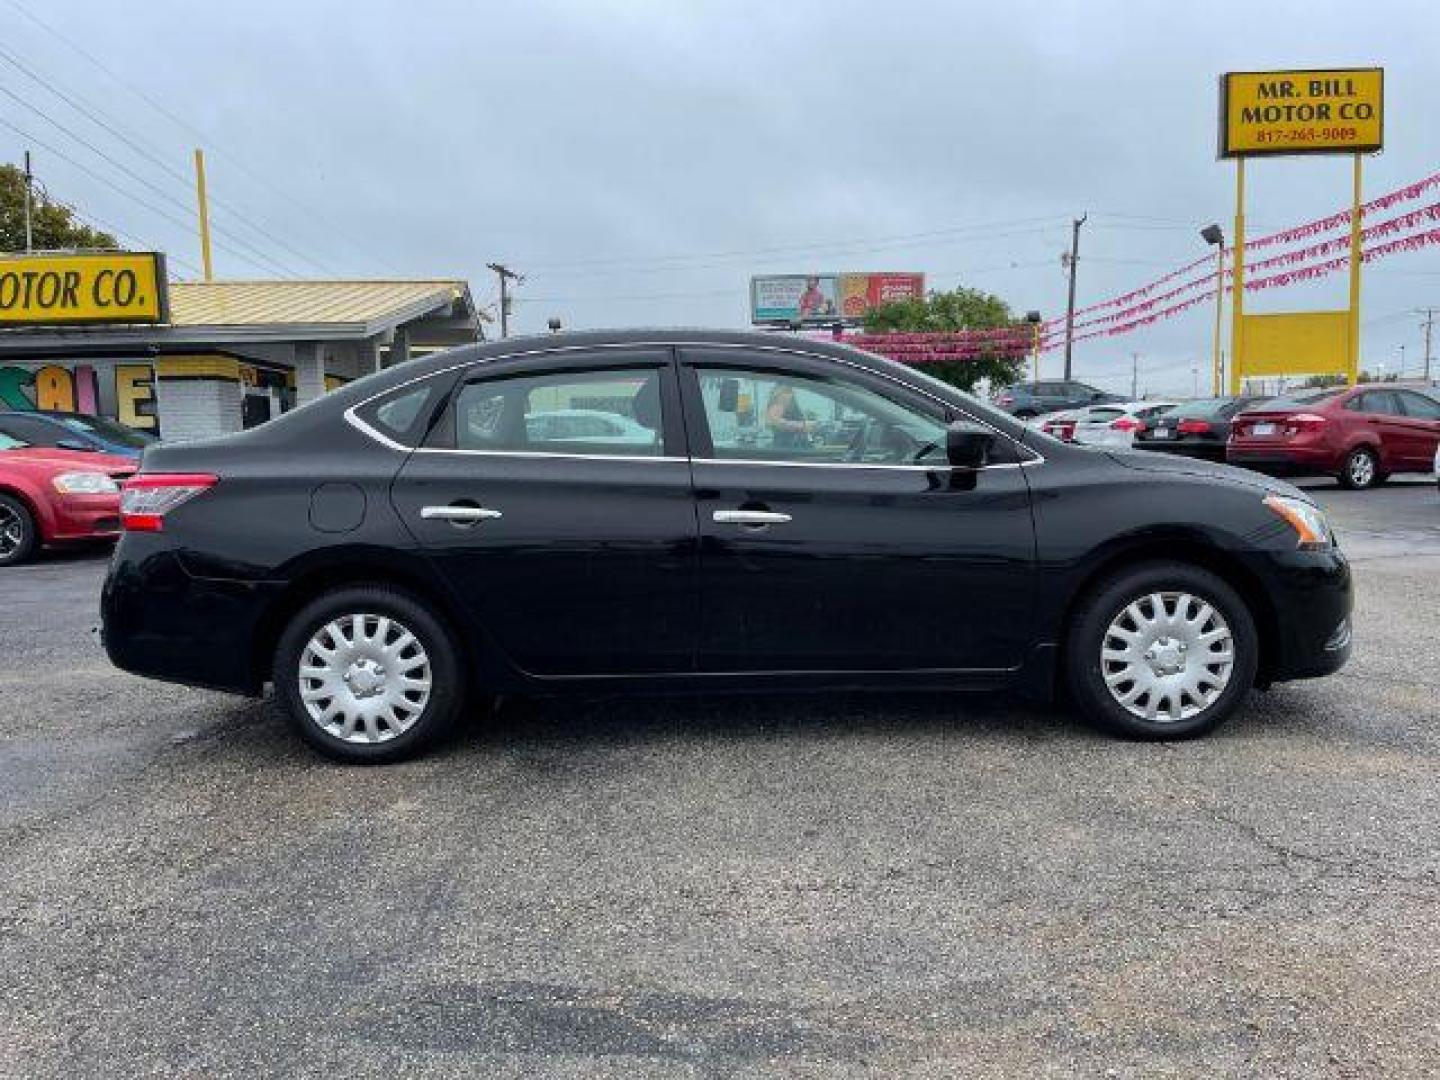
528,725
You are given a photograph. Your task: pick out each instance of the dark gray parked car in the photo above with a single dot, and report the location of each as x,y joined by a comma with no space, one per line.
1028,399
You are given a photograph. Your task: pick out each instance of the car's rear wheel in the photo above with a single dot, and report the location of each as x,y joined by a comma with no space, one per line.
1165,650
18,535
368,675
1361,469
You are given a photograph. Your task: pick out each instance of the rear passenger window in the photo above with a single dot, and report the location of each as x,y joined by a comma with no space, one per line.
1420,406
599,413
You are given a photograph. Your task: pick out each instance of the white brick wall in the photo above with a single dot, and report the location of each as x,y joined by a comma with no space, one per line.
197,408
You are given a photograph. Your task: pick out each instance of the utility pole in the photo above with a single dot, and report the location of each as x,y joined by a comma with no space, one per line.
1134,376
29,202
1070,263
506,275
1428,325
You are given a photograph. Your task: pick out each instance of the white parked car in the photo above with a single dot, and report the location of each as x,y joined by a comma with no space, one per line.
1112,425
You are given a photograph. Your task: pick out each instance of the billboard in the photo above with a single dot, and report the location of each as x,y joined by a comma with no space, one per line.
1335,111
824,298
104,287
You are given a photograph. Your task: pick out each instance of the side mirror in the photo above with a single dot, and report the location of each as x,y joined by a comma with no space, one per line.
1097,395
729,395
967,444
74,444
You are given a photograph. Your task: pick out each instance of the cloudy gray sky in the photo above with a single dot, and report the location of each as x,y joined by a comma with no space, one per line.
638,161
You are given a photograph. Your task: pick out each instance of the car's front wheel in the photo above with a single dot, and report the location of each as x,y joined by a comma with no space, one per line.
18,535
1165,650
368,675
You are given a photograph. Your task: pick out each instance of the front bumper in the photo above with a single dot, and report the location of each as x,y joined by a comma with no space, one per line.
1311,597
84,517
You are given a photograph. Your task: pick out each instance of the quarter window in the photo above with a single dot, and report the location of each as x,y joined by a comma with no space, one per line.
609,412
769,416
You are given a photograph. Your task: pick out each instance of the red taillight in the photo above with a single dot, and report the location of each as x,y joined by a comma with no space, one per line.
1194,427
1007,399
1305,422
146,498
1127,423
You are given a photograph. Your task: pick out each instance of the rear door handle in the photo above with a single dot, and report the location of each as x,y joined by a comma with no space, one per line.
749,517
459,515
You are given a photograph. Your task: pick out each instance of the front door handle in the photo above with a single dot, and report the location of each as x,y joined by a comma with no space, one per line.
749,517
459,515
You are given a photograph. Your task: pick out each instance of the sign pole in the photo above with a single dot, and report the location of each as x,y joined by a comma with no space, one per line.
203,208
1237,296
1353,356
1217,368
1035,347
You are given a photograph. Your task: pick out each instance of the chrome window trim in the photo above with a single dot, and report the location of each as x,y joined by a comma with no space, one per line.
547,454
1036,458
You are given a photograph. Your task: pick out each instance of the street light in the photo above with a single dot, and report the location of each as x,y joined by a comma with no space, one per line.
1213,235
1033,318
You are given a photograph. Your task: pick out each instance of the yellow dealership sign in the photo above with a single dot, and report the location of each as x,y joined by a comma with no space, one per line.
108,287
1302,112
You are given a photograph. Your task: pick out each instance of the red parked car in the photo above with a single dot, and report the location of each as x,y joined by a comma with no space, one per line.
54,496
1358,434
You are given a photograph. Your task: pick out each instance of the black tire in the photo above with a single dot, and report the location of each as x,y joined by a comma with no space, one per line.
1360,469
1026,414
446,692
15,518
1089,628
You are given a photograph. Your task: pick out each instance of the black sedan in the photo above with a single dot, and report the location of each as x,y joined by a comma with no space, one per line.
1197,428
765,512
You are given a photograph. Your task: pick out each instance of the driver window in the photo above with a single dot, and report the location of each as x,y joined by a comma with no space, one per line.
774,416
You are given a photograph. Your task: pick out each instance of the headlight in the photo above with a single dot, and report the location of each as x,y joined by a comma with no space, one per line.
1312,528
85,483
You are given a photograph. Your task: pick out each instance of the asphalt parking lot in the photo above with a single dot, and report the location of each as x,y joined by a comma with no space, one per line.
833,886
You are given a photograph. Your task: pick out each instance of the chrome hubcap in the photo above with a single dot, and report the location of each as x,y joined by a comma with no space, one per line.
12,531
1362,469
1167,656
364,678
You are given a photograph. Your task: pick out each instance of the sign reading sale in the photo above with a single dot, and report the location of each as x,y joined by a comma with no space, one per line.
1302,112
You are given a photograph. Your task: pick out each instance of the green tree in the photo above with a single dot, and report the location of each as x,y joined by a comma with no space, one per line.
962,309
53,227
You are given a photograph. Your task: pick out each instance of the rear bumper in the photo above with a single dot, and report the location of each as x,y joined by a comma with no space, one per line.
1203,451
160,621
1282,460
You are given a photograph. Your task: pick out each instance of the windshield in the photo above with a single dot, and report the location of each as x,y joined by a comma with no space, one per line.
9,442
108,430
1204,407
1300,397
981,410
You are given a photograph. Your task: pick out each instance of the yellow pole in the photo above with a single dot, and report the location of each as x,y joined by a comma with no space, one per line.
1237,294
1218,369
1035,345
204,210
1352,358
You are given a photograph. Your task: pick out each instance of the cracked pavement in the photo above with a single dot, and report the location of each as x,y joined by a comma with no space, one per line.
845,885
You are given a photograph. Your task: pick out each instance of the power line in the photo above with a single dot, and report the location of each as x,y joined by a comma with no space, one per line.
103,226
149,154
310,213
105,180
235,246
870,243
